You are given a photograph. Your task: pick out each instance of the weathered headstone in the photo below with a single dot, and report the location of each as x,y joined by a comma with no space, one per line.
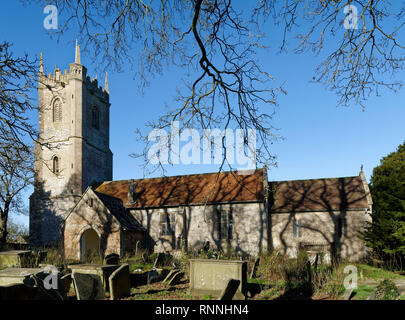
170,275
176,278
230,290
254,269
120,283
66,281
112,258
88,286
208,276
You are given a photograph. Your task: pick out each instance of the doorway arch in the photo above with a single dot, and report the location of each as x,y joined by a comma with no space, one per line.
89,245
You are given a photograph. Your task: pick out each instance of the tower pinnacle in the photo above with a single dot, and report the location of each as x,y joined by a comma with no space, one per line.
77,55
106,84
41,63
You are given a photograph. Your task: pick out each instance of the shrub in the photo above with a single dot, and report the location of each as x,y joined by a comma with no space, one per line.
387,290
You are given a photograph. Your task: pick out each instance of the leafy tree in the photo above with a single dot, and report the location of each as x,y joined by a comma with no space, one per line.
386,234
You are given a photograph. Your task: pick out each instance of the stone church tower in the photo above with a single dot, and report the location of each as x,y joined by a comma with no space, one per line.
73,149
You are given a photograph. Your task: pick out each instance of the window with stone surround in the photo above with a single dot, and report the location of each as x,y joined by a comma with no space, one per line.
55,165
95,118
167,224
224,224
297,228
57,110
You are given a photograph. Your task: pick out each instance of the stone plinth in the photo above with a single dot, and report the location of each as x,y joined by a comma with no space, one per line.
17,275
15,258
208,276
102,270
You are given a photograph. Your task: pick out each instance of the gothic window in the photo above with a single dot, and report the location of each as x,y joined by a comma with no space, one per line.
297,228
224,222
95,118
167,224
55,165
57,110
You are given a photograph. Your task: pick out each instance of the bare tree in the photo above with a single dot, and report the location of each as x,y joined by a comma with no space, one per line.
16,132
16,173
216,42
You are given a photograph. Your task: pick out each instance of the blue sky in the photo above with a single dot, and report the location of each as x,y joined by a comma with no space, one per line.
321,138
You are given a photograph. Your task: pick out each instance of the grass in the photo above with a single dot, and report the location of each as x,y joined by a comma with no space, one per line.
363,292
374,273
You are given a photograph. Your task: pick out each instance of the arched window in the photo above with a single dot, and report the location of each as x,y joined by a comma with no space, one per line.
55,165
95,118
57,110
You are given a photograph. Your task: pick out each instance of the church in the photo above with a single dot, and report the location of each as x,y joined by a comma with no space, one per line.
76,204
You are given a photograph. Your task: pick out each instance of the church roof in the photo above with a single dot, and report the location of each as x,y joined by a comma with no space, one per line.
117,209
347,193
224,187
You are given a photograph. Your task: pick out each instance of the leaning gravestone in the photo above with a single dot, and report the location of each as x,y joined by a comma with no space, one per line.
176,278
119,281
230,290
88,286
170,275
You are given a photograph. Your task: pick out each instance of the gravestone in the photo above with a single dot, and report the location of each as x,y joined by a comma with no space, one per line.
112,258
49,284
120,283
16,258
176,278
66,281
88,286
102,270
230,290
170,275
209,276
254,269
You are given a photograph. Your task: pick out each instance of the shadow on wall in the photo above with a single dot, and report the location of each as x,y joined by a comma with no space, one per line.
334,197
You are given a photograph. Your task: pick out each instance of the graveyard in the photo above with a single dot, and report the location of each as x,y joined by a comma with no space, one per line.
196,275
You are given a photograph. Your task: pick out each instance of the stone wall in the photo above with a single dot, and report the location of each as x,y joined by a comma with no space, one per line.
95,216
319,228
194,225
83,150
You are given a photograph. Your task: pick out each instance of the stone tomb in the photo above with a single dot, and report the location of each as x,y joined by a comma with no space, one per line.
17,275
15,258
209,276
102,270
